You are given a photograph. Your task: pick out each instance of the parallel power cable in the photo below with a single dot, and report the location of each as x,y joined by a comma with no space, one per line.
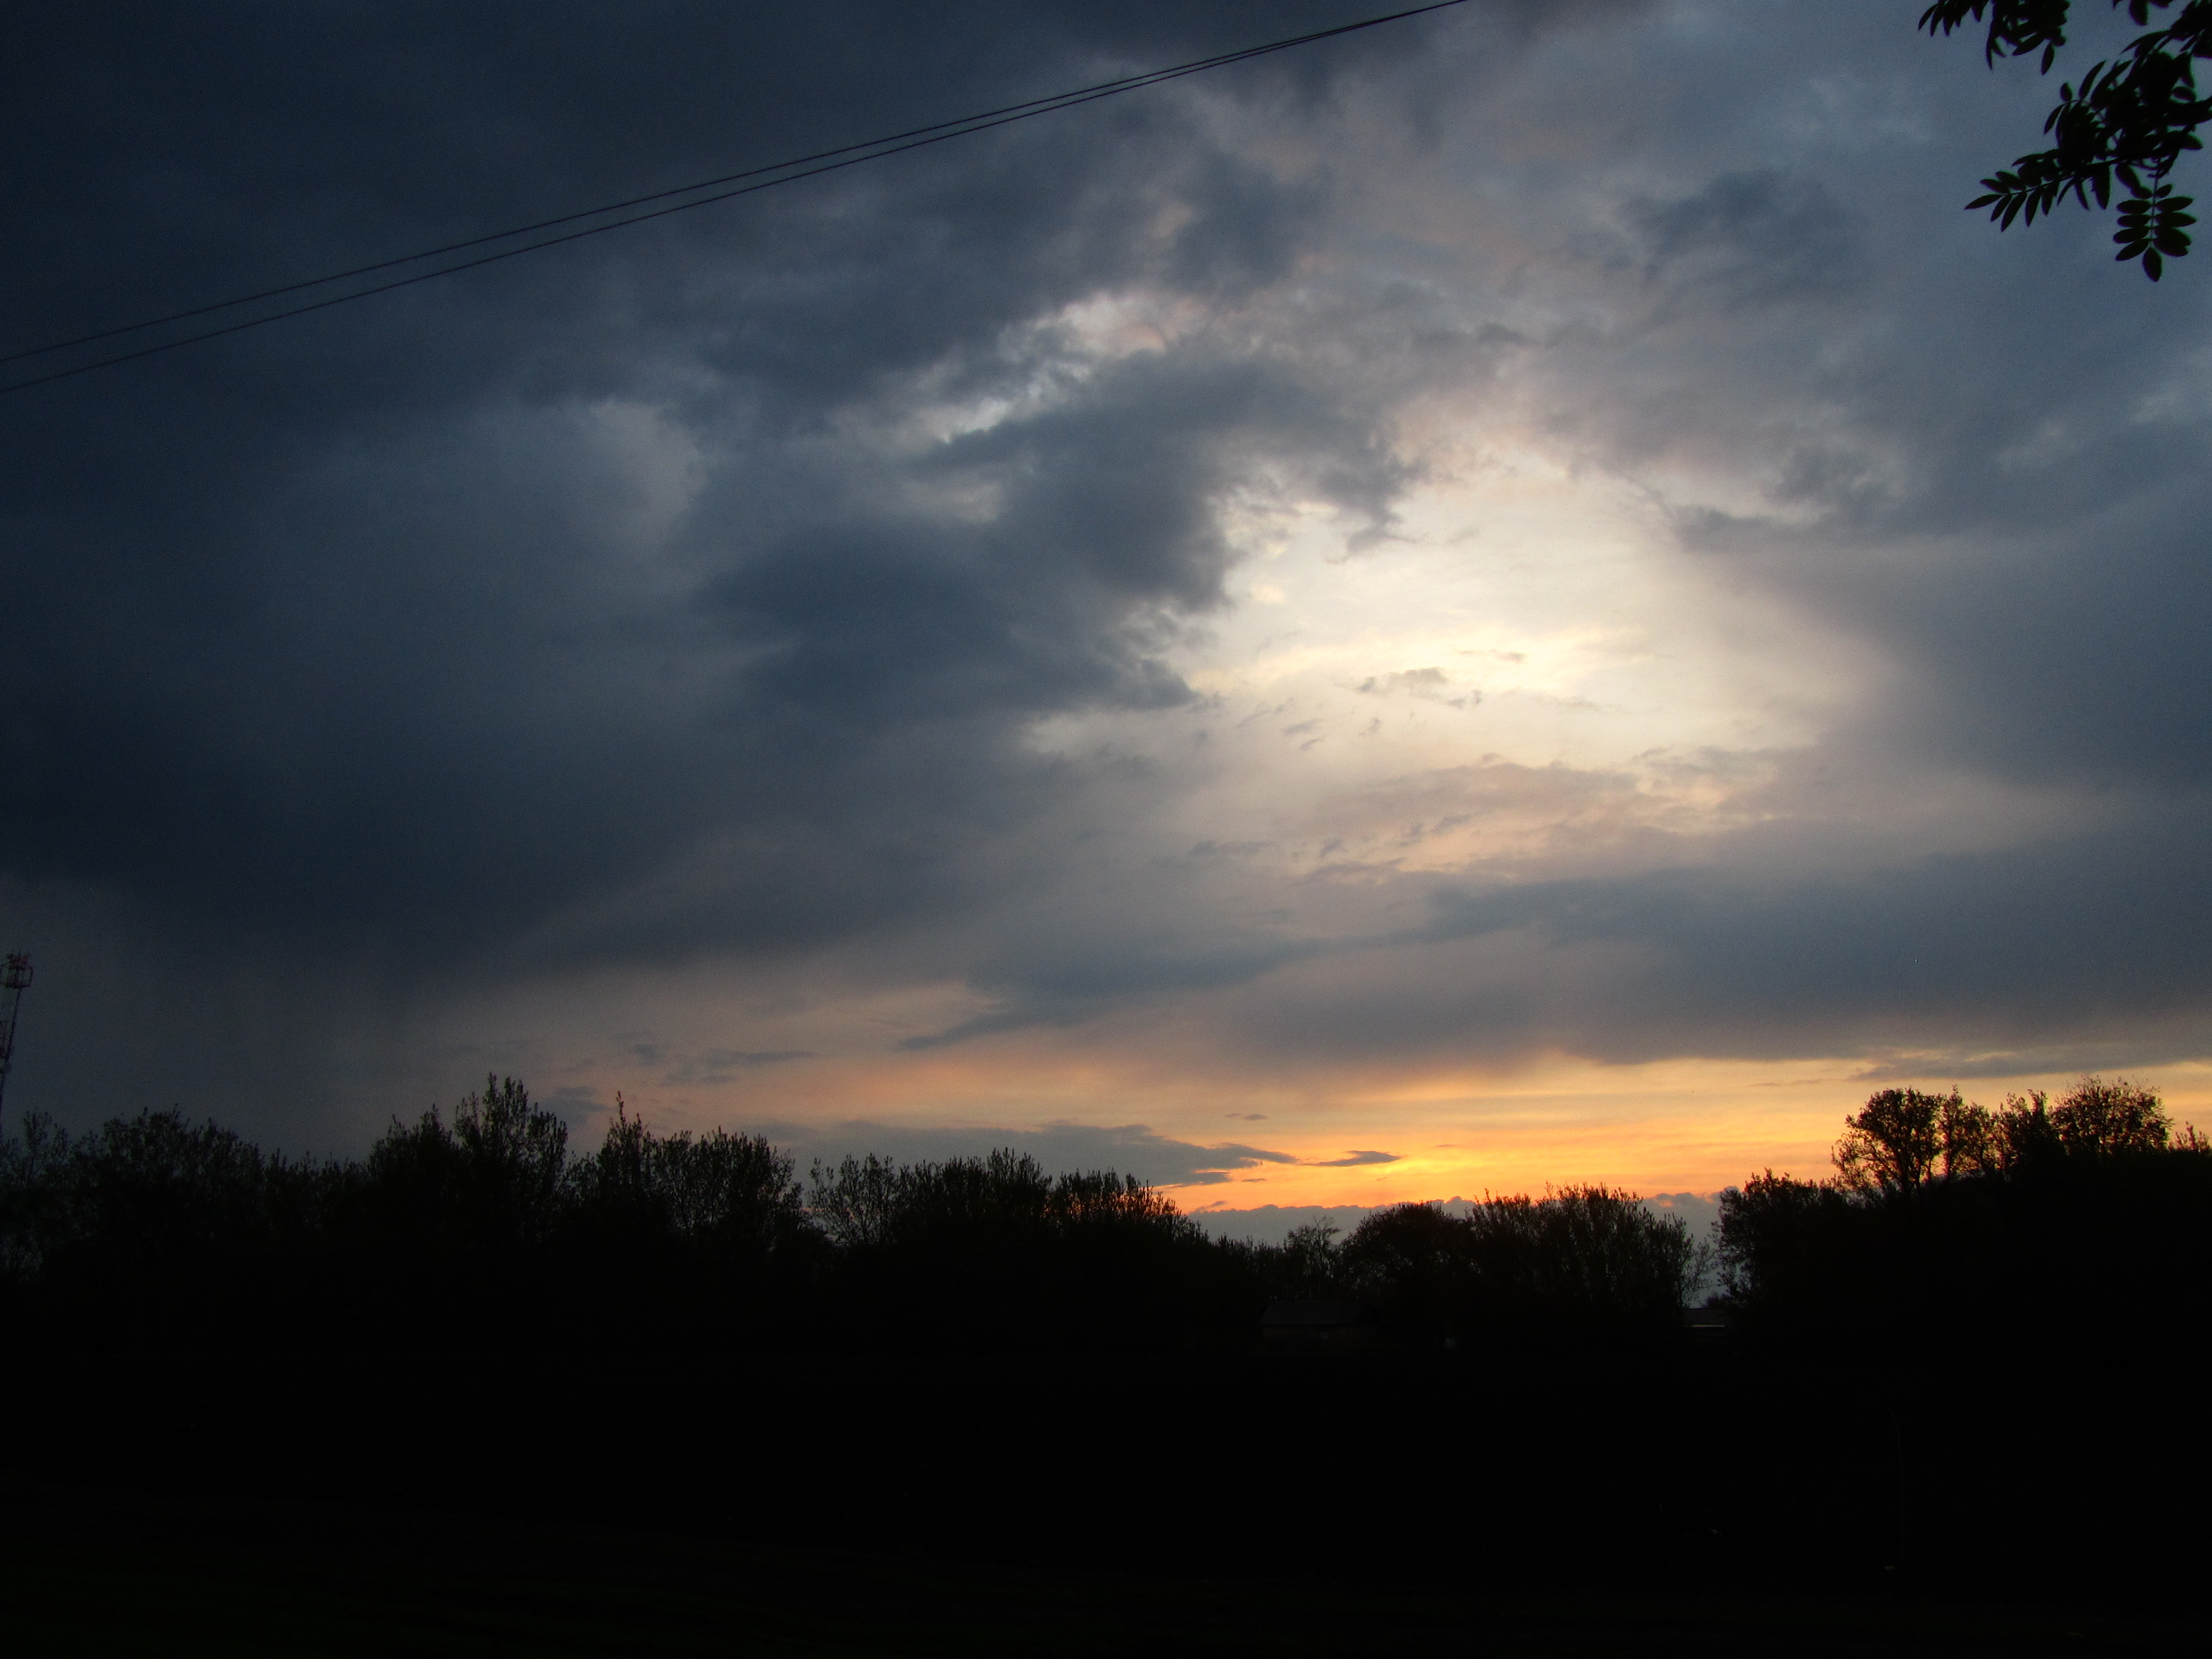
722,189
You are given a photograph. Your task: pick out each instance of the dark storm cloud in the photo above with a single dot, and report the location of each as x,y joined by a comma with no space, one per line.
604,603
2030,939
1745,238
332,627
2063,953
711,1066
2067,953
694,590
1068,980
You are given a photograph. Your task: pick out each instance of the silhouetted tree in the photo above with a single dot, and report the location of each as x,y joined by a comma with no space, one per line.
2119,1117
31,1196
1309,1265
1892,1144
156,1230
452,1222
1580,1264
490,1179
1590,1259
1903,1138
991,1252
689,1243
1794,1259
1414,1266
2078,1228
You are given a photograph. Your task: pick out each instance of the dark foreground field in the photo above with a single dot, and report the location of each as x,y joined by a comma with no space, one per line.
1241,1502
96,1572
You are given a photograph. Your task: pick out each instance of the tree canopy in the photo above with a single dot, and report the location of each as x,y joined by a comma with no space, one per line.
2127,122
2077,1226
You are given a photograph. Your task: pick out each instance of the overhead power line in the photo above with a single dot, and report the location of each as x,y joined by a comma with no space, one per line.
484,250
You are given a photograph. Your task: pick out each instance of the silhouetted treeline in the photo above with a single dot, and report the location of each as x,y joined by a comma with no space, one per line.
2076,1230
992,1251
484,1230
478,1230
1948,1229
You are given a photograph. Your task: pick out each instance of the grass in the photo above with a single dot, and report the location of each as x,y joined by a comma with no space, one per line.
91,1572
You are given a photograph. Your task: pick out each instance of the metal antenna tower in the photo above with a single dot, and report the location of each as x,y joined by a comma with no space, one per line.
15,979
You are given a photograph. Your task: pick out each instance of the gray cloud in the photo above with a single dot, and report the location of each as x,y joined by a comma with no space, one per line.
1131,1148
1271,1223
697,593
1978,465
540,615
710,1065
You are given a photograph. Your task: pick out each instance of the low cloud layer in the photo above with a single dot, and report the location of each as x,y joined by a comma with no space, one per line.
1271,1223
1132,1148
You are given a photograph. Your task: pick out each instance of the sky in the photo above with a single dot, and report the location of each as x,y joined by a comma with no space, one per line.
1517,598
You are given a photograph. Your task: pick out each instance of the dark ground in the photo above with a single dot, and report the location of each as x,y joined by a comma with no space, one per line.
1234,1503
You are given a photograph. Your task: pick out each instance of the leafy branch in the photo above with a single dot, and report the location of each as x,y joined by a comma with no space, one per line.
2128,123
